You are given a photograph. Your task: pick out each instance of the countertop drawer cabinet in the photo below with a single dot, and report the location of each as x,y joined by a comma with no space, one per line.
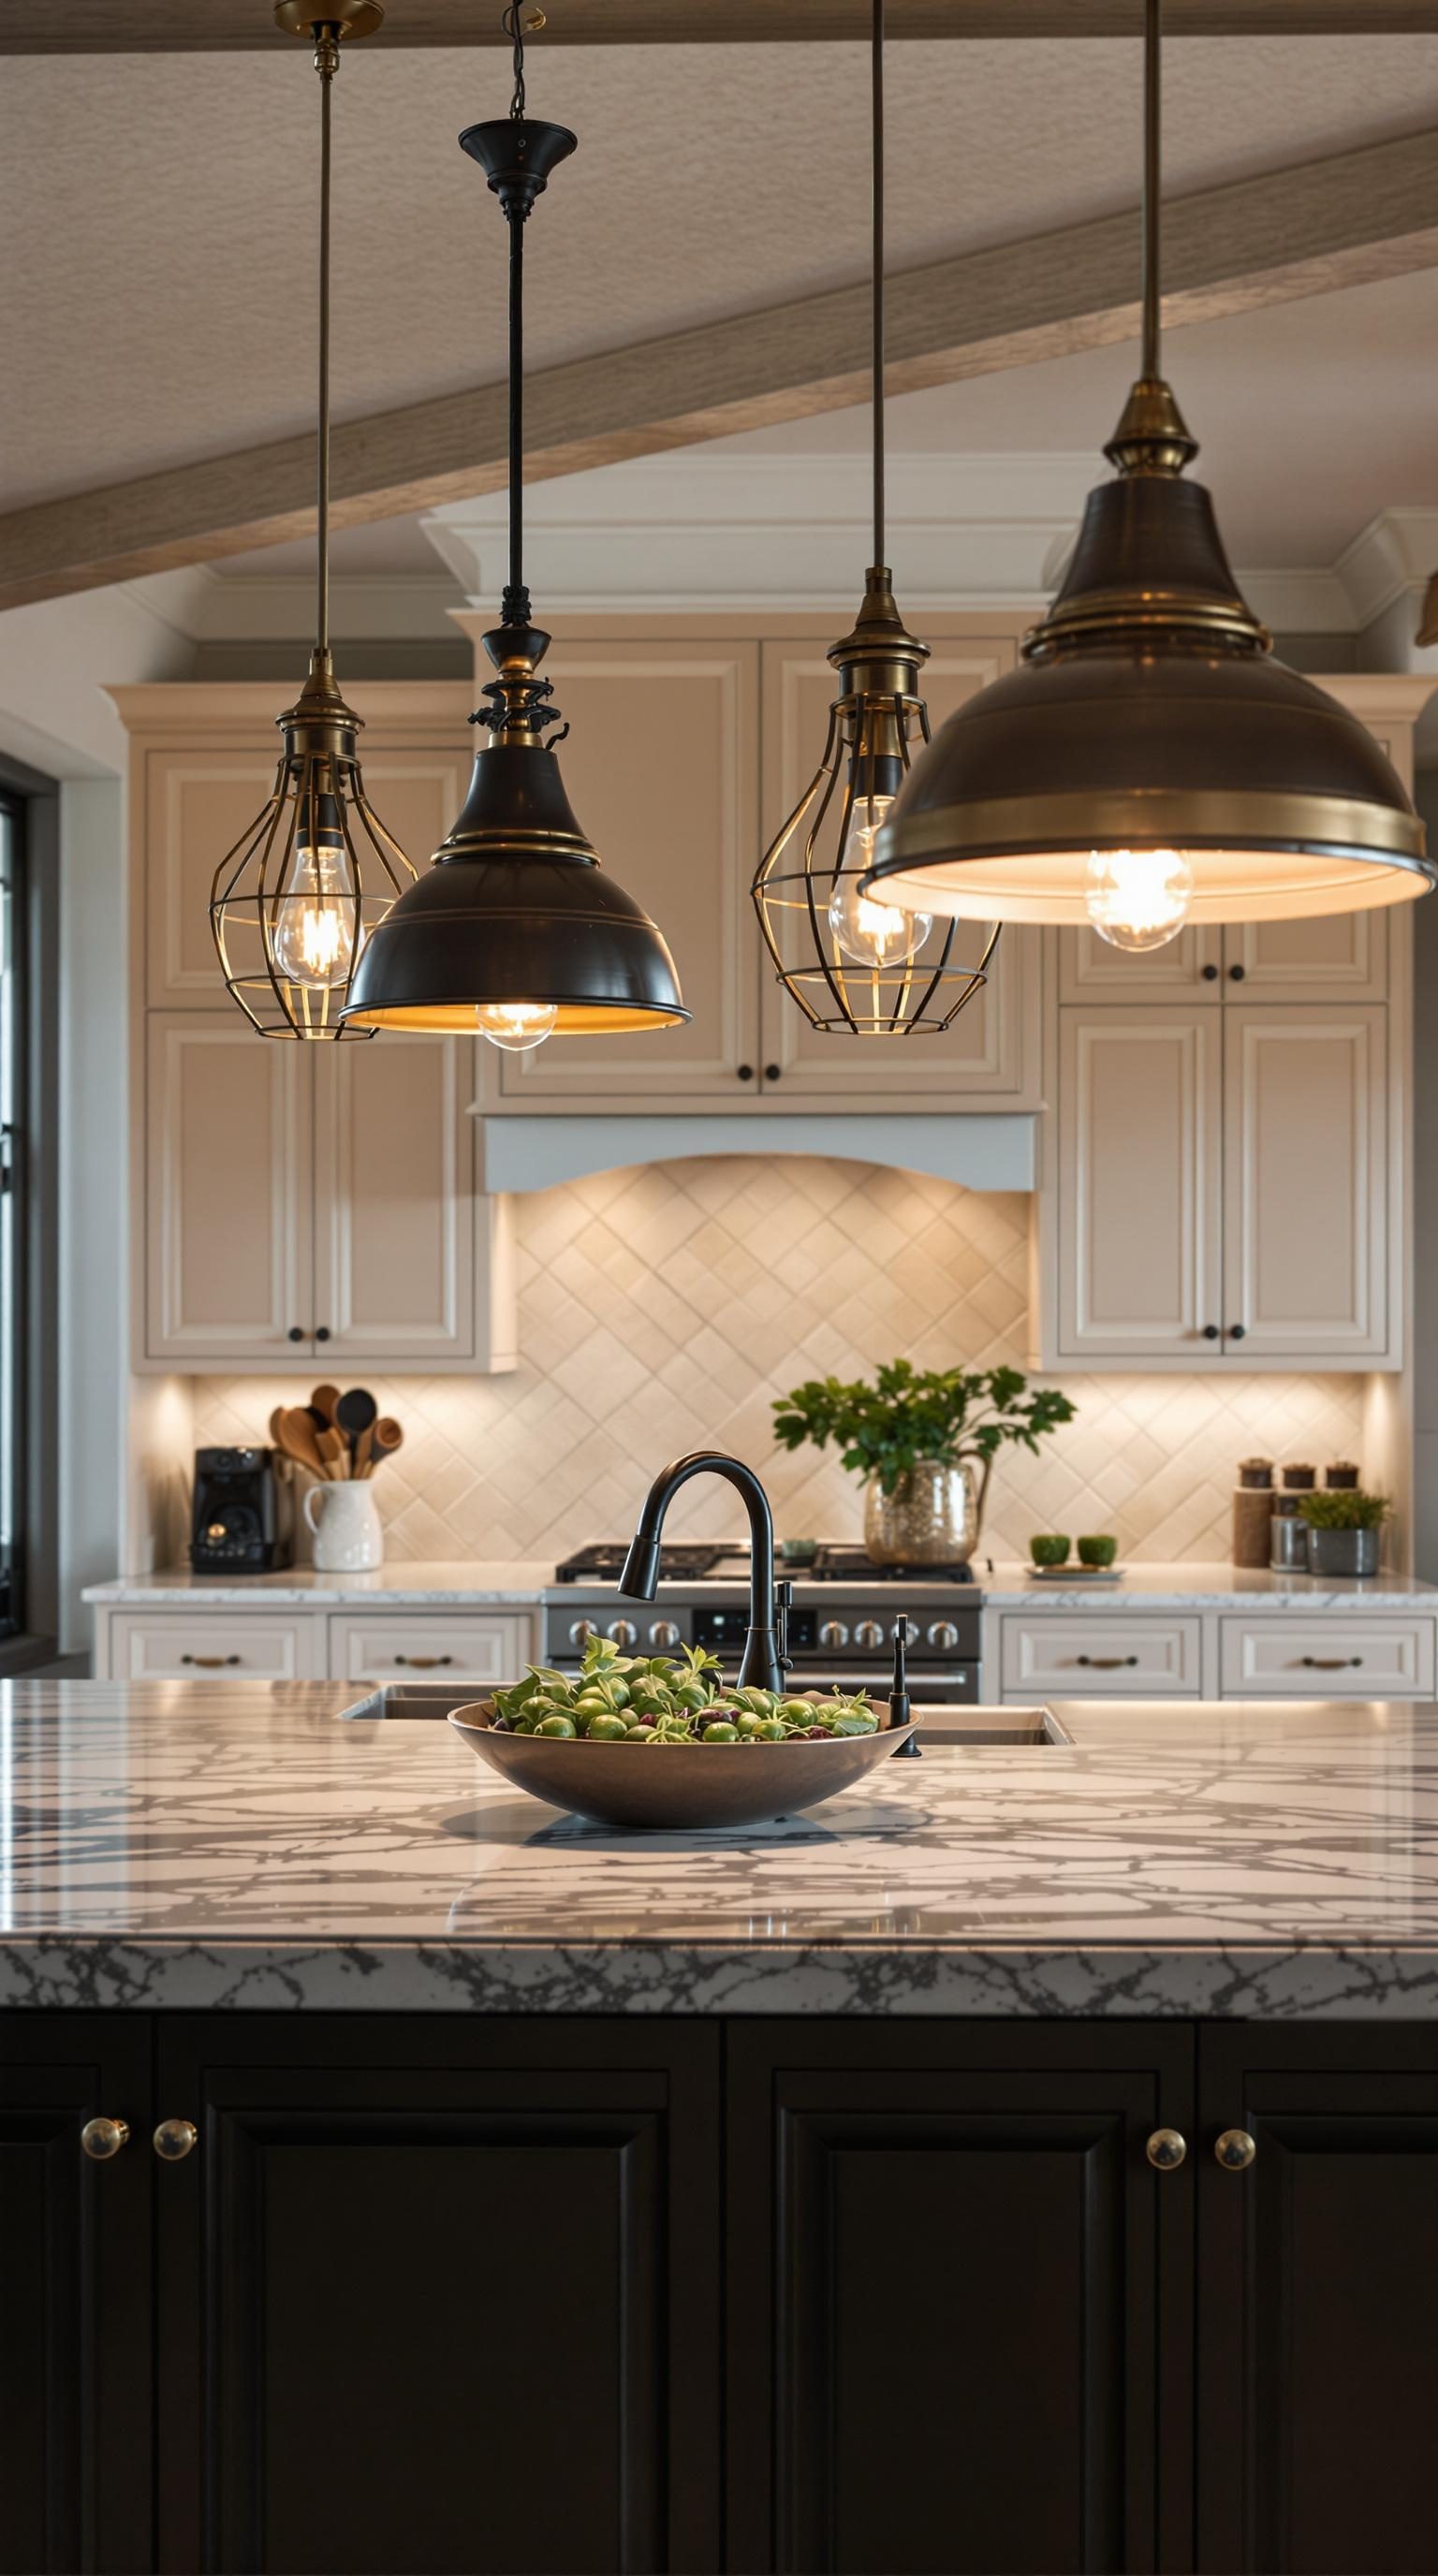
477,1651
1327,1658
1083,1655
243,1645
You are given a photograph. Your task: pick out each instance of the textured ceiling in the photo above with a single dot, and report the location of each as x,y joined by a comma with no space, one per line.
156,296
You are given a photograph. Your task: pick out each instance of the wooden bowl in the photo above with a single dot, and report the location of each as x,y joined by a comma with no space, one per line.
697,1788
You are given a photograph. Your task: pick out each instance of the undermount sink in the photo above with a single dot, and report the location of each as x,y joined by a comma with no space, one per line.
938,1723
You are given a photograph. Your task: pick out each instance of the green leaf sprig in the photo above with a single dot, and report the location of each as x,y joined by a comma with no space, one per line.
886,1427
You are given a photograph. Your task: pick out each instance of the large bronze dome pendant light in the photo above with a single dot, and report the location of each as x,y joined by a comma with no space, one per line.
516,928
293,903
1149,761
849,962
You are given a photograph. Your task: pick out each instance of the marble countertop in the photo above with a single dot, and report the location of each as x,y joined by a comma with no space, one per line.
1009,1587
186,1845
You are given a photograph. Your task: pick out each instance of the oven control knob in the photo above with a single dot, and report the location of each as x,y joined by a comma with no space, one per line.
944,1635
833,1632
868,1633
582,1631
664,1633
622,1632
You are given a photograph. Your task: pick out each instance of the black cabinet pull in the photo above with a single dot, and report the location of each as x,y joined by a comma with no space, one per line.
424,1663
295,1334
1210,1332
323,1334
1107,1663
1210,974
1331,1663
211,1663
772,1072
746,1072
1236,1332
1236,974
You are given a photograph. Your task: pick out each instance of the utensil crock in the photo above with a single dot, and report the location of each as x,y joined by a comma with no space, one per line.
345,1527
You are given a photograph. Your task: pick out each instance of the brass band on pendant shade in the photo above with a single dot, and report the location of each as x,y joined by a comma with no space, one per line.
1148,717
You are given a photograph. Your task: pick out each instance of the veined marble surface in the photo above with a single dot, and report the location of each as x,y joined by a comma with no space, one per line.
243,1845
1207,1587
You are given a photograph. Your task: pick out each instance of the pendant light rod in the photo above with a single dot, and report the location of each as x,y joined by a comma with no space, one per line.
877,266
1152,183
515,608
327,57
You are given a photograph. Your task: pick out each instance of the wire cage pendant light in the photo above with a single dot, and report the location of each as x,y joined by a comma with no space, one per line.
516,929
1150,761
295,900
850,961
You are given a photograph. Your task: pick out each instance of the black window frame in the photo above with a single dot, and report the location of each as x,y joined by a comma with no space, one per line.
31,1197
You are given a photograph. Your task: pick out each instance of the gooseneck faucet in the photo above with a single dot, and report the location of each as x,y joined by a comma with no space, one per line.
766,1648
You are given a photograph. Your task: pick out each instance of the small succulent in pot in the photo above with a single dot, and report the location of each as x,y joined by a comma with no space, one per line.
1098,1552
1050,1548
1344,1530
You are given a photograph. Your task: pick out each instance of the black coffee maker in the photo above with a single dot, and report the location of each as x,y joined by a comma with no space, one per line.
243,1516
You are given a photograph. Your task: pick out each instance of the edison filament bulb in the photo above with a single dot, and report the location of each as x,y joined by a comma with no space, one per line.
314,929
1138,899
868,932
516,1026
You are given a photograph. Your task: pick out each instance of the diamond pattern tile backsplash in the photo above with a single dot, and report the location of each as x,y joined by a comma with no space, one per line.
663,1309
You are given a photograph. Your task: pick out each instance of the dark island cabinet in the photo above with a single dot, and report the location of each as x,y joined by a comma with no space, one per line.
75,2322
960,2297
439,2294
1318,2300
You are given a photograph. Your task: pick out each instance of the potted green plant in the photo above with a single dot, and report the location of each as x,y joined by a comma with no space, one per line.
1344,1528
925,1441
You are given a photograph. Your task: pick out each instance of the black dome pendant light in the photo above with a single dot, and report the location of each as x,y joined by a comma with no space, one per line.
516,928
849,961
1149,762
293,903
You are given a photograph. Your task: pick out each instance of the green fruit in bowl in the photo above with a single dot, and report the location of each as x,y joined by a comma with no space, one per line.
1051,1547
1097,1551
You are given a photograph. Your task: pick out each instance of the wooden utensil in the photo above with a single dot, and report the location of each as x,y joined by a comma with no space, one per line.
364,1452
297,1435
334,1450
323,1399
354,1413
385,1437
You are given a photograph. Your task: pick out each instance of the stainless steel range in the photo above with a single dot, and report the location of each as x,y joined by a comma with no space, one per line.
841,1624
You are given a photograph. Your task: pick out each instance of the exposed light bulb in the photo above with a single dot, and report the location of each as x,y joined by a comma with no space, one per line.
516,1026
316,935
1137,899
868,931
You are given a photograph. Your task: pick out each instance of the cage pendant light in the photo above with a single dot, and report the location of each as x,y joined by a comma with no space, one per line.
1150,762
294,902
852,963
516,929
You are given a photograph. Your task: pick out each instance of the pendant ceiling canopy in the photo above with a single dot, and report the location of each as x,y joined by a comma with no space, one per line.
516,929
1150,762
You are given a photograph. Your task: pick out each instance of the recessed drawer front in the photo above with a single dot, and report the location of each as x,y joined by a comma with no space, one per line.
1327,1658
240,1645
465,1648
1081,1655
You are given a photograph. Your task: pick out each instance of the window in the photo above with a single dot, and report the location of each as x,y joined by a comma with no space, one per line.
13,1195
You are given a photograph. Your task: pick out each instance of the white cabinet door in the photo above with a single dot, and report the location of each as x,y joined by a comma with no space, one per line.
1186,969
1140,1185
395,1198
214,1645
660,765
1337,1656
228,1244
1085,1656
1305,1197
991,1054
474,1651
1342,957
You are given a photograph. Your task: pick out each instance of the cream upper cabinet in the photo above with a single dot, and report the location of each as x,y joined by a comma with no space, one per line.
1305,1242
1342,957
227,1238
660,764
1186,969
992,1049
394,1199
1139,1185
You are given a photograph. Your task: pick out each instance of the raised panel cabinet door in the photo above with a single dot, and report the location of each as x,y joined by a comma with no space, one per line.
1318,2269
661,765
958,2298
991,1051
1340,957
227,1188
75,2319
439,2292
1186,969
1140,1184
1305,1229
198,801
395,1201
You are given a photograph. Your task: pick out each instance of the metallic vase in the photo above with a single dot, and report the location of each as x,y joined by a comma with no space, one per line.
932,1516
1343,1551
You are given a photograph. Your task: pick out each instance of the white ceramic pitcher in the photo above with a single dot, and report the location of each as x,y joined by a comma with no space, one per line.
345,1527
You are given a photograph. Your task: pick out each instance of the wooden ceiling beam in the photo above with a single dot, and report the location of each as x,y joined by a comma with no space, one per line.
245,26
1349,220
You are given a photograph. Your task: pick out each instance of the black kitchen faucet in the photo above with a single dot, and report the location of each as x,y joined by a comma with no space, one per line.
766,1648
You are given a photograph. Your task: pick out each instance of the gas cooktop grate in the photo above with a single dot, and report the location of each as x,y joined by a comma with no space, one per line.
692,1561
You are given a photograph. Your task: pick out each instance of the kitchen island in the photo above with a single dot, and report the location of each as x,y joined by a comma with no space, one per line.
400,2175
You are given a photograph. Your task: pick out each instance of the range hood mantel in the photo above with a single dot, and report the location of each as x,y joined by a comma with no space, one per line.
979,1152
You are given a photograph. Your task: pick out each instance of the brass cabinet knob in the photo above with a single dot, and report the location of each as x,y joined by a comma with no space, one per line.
1234,2150
1166,2149
174,2139
104,2138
